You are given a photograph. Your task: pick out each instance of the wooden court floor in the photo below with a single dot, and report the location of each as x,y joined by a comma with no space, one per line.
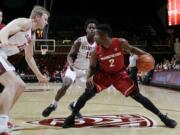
110,102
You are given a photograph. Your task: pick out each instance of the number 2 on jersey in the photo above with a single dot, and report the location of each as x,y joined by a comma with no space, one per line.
111,61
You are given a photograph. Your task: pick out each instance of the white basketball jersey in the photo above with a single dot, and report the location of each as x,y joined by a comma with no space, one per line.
18,41
83,57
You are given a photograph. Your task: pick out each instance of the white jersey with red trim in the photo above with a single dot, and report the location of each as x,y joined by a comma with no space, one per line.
83,58
18,43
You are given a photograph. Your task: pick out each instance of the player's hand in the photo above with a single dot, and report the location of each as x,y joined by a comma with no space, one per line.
42,79
89,82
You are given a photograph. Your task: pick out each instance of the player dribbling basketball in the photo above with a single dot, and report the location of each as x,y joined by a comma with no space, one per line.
109,54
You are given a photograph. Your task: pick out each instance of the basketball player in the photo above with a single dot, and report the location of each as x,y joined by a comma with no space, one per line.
15,37
78,60
109,53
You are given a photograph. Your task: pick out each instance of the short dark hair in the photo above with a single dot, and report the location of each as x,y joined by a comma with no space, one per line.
90,20
104,28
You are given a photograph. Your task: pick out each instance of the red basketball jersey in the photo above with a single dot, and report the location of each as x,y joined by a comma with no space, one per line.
111,59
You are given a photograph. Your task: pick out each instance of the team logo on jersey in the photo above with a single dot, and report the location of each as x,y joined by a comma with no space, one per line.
123,120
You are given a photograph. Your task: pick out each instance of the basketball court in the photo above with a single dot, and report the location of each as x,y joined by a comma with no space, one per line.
107,113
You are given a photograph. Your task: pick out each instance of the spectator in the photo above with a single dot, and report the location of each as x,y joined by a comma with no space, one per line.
58,77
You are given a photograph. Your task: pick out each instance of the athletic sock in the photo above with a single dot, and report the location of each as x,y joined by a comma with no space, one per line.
55,103
4,123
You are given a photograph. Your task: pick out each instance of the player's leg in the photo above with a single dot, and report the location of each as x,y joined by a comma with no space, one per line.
13,87
81,82
136,95
60,93
68,80
101,82
133,75
88,94
126,86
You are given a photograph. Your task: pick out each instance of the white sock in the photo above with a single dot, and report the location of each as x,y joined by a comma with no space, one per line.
55,103
74,103
4,122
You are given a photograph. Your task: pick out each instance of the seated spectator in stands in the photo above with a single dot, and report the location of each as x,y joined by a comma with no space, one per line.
168,65
53,77
176,66
157,67
58,77
177,62
165,65
173,62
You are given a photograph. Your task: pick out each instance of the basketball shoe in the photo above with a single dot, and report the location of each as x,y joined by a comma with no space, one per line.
168,122
49,110
71,107
69,122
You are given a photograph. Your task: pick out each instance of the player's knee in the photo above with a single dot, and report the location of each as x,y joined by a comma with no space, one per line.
137,96
89,93
20,86
67,82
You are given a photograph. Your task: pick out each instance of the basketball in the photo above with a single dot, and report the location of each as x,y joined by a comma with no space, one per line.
145,63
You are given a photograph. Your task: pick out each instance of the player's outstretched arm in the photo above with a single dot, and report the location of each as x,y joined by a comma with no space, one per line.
32,64
92,69
73,52
129,48
93,63
17,25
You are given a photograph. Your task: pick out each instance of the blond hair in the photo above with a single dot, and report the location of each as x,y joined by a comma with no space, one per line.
38,11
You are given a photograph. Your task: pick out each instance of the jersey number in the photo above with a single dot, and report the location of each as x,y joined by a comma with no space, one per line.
88,55
111,61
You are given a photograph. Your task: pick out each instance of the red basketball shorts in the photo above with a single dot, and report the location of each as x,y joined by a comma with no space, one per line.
120,80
